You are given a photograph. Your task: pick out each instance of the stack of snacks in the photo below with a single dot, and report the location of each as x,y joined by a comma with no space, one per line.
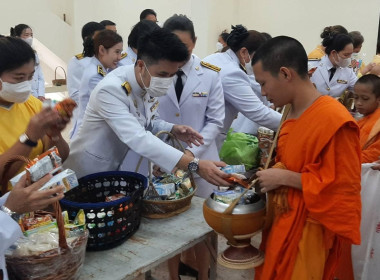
49,162
173,186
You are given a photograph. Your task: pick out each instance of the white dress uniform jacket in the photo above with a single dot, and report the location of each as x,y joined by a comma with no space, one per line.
10,231
128,58
119,116
242,123
201,106
132,159
239,96
38,81
75,70
92,75
344,78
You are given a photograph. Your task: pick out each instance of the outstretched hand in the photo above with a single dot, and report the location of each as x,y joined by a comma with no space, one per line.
188,135
23,198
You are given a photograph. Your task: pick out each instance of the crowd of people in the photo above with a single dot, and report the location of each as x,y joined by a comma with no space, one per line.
127,92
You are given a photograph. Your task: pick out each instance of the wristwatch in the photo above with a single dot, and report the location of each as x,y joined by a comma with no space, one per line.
193,165
24,139
10,213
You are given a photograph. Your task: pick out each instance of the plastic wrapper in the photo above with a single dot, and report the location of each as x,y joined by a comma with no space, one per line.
230,169
45,260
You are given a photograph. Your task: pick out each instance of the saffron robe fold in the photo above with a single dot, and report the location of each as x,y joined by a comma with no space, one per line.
370,136
322,145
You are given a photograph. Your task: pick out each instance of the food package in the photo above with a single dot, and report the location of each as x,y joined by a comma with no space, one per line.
165,189
76,227
48,162
229,169
114,197
66,178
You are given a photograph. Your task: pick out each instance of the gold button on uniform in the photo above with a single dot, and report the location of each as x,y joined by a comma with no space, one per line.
177,114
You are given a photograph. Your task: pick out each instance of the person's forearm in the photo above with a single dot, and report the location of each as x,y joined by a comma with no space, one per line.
184,161
292,179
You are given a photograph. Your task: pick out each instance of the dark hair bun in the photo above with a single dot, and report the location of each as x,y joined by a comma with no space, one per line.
237,35
328,40
327,32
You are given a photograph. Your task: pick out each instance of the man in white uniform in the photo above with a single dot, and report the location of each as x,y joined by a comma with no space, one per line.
122,115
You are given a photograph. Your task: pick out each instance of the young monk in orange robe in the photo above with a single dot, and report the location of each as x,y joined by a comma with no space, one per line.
319,191
367,102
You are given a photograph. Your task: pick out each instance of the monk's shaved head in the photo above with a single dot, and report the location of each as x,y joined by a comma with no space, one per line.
282,51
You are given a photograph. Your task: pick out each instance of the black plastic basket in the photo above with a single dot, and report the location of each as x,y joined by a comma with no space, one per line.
109,223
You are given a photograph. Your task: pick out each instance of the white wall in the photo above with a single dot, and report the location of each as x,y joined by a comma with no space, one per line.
305,20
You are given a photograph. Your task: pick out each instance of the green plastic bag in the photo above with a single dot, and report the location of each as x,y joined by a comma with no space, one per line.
240,148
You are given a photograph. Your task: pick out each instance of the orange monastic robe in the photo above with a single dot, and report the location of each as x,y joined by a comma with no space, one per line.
304,243
317,53
370,136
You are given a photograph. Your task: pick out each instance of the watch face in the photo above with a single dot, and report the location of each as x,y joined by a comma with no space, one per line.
23,138
193,166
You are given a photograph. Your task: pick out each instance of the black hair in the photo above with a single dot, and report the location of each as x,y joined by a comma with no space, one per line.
357,38
146,13
161,44
240,37
107,39
282,51
378,47
142,28
181,23
107,22
224,35
18,29
332,30
89,29
267,36
373,81
336,42
14,53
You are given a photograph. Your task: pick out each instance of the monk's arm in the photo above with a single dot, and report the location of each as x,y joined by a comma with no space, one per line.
371,153
273,178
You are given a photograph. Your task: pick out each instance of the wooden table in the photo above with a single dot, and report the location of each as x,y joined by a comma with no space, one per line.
156,241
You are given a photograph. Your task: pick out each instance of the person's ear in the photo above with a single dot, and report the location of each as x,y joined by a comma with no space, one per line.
285,73
102,50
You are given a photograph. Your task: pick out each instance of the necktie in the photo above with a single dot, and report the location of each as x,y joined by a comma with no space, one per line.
332,72
179,85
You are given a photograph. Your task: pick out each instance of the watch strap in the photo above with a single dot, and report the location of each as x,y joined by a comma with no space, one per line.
10,213
24,139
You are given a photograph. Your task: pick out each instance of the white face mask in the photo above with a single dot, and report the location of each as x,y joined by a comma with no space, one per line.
158,86
343,62
15,93
219,46
248,66
29,40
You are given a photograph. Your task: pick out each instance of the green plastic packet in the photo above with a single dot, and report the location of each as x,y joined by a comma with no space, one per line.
240,148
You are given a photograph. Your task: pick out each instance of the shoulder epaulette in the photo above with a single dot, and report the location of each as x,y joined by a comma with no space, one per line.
124,55
314,59
210,66
79,56
101,71
127,87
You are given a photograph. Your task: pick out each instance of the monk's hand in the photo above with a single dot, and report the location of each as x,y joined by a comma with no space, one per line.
270,179
188,135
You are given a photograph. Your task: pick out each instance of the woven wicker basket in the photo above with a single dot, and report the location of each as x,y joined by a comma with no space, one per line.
158,209
62,263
